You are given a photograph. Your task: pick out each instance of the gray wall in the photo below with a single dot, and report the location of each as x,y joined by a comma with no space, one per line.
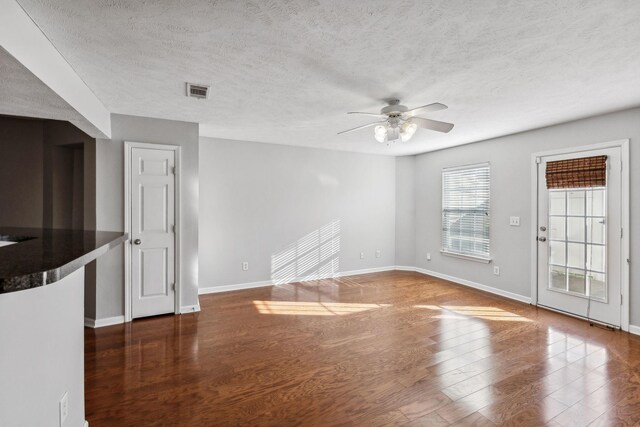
42,354
109,199
259,201
21,174
89,218
77,198
510,158
42,174
405,211
47,179
63,146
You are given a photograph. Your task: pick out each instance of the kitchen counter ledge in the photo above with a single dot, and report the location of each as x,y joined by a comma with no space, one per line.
43,256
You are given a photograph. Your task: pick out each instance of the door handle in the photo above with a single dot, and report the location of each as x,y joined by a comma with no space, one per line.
542,239
137,242
543,228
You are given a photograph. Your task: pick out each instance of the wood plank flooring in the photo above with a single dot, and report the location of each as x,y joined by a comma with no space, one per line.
384,349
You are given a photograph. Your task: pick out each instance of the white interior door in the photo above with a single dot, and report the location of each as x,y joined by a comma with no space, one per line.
580,243
152,231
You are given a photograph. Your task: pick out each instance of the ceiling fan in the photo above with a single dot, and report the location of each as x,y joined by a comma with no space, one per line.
400,123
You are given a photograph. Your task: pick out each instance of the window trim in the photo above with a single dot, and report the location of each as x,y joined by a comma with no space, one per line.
467,257
443,251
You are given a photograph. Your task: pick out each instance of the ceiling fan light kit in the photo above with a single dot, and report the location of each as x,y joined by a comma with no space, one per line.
400,123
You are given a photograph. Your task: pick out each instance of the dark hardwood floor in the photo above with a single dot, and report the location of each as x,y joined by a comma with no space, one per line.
395,348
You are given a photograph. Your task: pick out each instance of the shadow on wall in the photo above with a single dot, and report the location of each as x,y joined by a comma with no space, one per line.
314,256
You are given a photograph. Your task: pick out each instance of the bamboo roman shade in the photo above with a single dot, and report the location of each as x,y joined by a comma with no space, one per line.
577,173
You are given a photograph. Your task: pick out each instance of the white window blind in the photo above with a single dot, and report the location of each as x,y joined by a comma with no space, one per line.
465,211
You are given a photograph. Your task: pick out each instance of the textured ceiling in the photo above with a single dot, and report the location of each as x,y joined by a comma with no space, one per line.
22,94
287,71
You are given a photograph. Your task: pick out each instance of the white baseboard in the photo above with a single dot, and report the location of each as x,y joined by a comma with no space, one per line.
405,268
469,283
490,289
236,287
116,320
251,285
189,309
363,271
99,323
633,329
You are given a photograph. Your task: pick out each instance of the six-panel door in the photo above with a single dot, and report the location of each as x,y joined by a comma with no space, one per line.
152,231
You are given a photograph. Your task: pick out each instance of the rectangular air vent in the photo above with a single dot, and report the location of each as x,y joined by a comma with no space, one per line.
197,91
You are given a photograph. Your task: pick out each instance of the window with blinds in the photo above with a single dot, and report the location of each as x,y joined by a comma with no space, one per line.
465,211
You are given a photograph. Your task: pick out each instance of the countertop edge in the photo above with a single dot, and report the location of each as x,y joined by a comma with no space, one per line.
63,271
38,279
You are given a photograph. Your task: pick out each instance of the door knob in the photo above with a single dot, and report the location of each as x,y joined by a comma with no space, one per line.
542,239
137,242
543,228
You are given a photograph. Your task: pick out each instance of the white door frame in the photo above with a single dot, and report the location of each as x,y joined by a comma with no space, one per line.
128,145
623,144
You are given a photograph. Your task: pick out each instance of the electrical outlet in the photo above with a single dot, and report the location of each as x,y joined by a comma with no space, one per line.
361,255
496,270
428,256
245,266
378,253
64,408
514,221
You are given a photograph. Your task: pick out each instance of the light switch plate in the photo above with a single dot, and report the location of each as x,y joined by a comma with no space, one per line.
514,221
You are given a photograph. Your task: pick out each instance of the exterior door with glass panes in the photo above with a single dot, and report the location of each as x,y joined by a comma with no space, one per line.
579,234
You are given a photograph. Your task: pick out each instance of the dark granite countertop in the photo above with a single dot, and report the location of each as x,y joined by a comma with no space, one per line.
44,256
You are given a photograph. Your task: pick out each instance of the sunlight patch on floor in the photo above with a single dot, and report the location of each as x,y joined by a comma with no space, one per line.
304,308
479,312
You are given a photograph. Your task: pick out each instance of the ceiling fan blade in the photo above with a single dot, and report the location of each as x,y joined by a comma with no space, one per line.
362,127
432,124
367,114
427,108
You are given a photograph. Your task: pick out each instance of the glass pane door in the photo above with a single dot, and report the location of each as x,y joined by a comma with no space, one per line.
577,242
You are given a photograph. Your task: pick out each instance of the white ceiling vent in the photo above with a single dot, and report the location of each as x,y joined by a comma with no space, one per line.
197,91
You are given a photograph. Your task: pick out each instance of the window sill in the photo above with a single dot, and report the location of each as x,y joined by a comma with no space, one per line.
467,257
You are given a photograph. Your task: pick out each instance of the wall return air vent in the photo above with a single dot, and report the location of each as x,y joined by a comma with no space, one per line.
197,91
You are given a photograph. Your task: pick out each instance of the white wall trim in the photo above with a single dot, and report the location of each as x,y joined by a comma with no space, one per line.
251,285
363,271
634,329
128,145
99,323
623,144
236,287
534,228
23,39
405,268
189,309
265,283
469,283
